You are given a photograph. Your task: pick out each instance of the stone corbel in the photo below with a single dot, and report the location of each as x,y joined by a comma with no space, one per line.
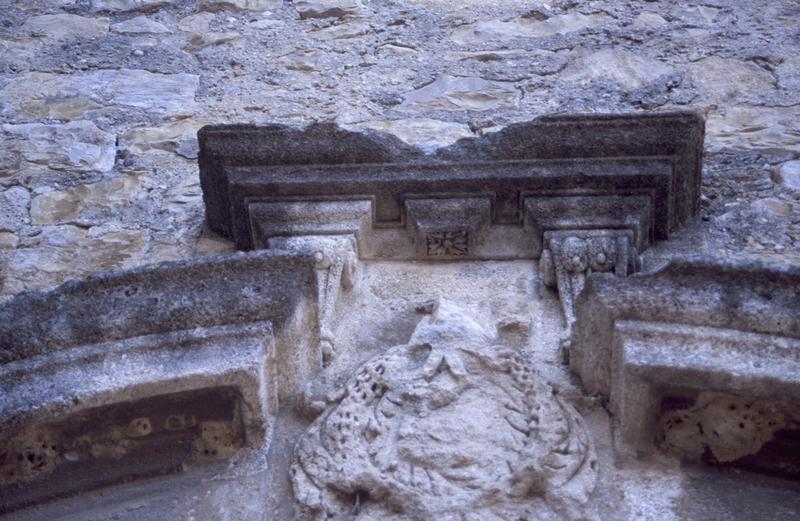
336,258
569,256
579,235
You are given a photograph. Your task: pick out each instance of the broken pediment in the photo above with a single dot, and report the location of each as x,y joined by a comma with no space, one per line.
146,372
706,335
526,192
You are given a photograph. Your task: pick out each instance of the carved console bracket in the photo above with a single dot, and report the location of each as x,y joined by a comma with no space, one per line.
569,256
723,336
336,262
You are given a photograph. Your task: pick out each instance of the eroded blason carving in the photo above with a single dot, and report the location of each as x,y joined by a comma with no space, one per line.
448,426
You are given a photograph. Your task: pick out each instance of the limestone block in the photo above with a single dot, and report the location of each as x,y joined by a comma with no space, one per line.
8,241
327,8
130,5
253,5
788,174
452,93
492,30
140,25
630,71
179,137
14,208
428,134
649,20
67,251
75,146
63,25
723,80
85,203
59,96
196,23
755,127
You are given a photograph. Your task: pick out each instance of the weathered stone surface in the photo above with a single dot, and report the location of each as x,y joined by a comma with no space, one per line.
8,240
14,208
43,95
490,30
773,206
788,73
355,69
113,306
649,20
114,51
755,127
129,5
404,439
85,204
65,252
77,145
452,93
428,134
627,69
179,137
60,26
187,385
201,40
732,427
255,5
196,23
515,64
140,25
695,326
327,8
724,80
788,174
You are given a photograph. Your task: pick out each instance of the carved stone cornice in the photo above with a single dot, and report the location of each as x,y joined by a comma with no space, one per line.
635,171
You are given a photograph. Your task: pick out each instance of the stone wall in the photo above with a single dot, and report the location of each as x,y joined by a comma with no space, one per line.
100,101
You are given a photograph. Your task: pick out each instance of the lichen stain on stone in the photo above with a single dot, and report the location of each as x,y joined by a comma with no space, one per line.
35,453
27,457
721,427
218,440
139,427
177,422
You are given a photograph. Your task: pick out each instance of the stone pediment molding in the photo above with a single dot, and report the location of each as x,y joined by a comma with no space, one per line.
141,372
522,179
694,327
